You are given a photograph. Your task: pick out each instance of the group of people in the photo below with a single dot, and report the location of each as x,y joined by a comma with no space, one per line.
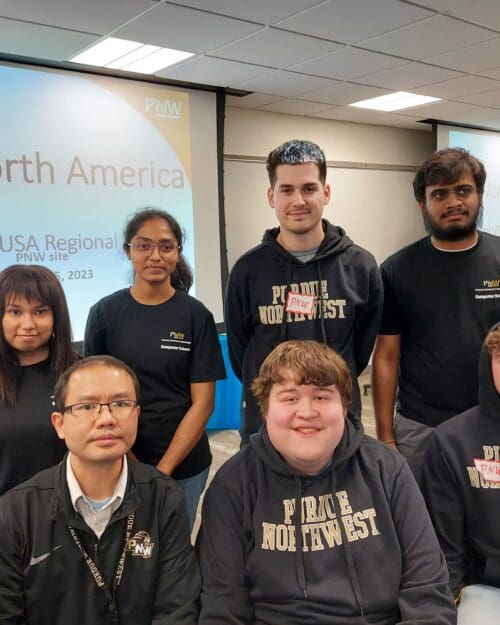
312,521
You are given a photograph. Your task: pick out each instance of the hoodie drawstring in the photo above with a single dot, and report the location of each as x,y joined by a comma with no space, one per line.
351,566
288,281
299,554
283,328
321,317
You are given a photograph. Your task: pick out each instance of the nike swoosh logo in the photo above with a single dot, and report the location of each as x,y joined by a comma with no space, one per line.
43,557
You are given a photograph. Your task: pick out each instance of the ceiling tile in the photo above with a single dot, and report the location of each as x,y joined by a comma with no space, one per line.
347,64
430,37
253,100
491,98
44,42
447,110
342,93
473,59
208,70
407,76
339,20
283,83
295,107
479,114
94,16
363,116
200,31
492,73
482,12
458,87
279,47
260,11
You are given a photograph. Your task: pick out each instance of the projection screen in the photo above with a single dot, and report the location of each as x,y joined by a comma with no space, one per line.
81,152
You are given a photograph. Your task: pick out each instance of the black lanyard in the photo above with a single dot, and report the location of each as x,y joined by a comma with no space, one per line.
97,575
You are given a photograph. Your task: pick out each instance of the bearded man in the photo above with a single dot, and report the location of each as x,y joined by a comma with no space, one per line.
441,295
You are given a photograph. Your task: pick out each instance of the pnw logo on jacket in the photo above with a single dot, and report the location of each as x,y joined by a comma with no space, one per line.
323,306
319,524
486,471
140,545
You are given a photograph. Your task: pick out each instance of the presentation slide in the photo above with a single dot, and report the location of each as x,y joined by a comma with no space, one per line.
79,154
485,145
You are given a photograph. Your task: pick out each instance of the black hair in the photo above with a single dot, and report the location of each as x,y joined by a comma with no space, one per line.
296,152
61,386
182,276
34,282
446,167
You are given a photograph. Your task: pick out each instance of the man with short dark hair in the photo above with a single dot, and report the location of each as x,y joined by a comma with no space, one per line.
306,280
439,301
97,540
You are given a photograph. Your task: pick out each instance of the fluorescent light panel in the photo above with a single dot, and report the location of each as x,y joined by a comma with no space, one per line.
164,57
106,51
130,55
394,101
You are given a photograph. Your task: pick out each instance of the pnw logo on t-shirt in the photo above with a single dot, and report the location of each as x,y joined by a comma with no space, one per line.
490,289
176,341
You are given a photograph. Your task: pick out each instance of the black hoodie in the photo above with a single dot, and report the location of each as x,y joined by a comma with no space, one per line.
365,553
345,282
461,481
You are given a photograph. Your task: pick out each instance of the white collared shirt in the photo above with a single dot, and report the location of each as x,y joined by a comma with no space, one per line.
96,520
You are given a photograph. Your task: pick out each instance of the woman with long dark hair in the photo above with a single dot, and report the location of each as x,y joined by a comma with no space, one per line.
169,339
35,348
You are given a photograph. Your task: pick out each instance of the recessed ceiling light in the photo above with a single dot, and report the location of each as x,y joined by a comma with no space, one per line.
164,57
394,101
130,55
133,56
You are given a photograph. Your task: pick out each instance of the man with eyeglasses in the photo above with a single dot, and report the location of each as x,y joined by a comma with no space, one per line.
97,539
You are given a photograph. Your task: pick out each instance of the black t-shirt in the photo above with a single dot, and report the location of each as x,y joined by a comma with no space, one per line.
442,304
168,345
28,442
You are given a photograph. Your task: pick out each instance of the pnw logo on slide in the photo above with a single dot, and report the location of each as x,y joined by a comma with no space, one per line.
161,107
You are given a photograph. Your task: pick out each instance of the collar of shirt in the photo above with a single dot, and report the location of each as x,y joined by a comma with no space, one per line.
96,520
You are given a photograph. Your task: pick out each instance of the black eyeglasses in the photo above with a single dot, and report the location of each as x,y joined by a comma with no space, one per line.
118,408
146,247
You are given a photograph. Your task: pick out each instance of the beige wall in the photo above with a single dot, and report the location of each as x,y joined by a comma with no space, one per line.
375,206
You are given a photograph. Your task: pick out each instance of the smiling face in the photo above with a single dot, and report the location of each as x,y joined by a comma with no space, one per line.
27,326
153,267
451,211
298,197
305,423
103,437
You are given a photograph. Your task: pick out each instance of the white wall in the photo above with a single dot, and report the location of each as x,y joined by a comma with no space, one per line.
375,206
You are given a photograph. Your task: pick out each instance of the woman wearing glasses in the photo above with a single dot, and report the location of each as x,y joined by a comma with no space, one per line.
169,339
35,348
